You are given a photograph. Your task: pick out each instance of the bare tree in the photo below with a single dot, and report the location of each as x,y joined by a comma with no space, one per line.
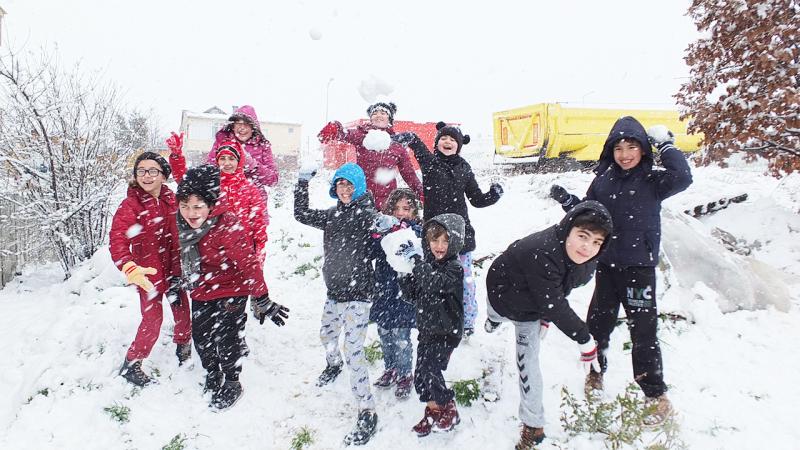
65,142
745,76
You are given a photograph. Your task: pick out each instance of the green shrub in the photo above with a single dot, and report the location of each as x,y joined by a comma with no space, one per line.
118,412
302,438
467,391
178,442
373,352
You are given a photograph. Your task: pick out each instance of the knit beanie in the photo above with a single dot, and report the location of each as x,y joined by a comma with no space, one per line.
231,148
202,181
454,132
165,168
389,108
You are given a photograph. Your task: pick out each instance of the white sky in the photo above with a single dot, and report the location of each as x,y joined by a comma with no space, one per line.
445,60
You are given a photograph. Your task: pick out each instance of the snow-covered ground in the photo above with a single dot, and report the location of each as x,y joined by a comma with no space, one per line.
733,376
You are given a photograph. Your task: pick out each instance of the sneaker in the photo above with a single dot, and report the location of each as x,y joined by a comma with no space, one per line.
468,332
183,352
133,373
424,426
404,386
529,437
448,418
491,326
386,380
329,374
658,410
213,382
365,427
227,395
593,387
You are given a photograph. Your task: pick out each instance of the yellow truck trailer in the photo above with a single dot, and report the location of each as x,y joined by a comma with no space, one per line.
545,131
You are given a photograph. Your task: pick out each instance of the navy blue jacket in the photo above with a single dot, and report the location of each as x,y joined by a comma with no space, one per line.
633,197
391,309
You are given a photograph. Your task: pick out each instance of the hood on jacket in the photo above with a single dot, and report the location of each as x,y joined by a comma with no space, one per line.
565,226
625,128
248,114
353,173
454,224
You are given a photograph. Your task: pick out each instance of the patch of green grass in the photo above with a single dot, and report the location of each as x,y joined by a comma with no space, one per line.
118,412
302,438
373,352
467,391
178,442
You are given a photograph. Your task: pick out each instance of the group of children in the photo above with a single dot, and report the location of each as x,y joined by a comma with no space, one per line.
211,250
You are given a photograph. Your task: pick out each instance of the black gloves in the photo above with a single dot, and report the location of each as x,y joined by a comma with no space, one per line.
497,189
560,194
264,308
404,138
174,291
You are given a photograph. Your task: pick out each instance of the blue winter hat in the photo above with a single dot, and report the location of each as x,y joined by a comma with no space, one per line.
353,173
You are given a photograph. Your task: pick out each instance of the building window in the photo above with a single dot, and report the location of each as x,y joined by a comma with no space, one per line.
290,130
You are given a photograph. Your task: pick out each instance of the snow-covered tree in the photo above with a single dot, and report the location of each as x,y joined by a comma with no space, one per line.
65,142
744,88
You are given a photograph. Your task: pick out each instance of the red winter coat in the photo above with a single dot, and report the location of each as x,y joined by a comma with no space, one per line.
241,197
394,158
228,264
144,231
264,172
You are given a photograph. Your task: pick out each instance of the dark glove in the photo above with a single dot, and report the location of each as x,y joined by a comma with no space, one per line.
560,194
408,251
404,138
661,137
264,308
174,291
497,189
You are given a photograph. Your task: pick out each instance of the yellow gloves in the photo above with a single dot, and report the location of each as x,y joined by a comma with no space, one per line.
136,275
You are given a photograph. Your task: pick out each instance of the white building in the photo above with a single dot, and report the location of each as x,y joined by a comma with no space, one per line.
200,129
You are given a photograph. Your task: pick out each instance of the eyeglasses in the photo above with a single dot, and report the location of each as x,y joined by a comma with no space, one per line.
153,172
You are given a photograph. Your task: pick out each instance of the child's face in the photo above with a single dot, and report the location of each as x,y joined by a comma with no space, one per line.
439,245
195,211
583,245
379,118
403,210
344,190
227,163
447,145
243,131
627,154
148,182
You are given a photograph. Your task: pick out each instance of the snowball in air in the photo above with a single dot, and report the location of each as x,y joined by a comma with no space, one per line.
384,175
315,33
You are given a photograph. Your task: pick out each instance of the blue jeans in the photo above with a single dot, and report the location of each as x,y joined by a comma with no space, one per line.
397,349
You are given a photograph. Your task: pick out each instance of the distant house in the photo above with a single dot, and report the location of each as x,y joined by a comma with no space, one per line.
201,128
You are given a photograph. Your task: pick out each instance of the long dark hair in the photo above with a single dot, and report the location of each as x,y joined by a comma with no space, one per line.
399,194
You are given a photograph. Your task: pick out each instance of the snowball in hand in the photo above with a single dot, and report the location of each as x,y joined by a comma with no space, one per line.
391,245
384,175
377,140
659,133
315,33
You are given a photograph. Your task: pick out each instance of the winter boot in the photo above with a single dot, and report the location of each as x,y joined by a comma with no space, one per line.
529,438
424,426
329,374
133,373
593,387
184,352
448,419
365,427
245,349
404,385
491,326
386,380
213,382
227,395
658,409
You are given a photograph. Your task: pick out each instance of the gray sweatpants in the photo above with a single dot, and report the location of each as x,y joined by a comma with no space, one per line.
531,411
353,317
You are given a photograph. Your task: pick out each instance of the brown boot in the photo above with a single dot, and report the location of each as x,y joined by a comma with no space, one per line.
658,410
593,388
529,437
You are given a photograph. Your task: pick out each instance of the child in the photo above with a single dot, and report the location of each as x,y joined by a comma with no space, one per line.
529,282
376,163
350,281
221,269
629,186
391,310
436,287
447,178
144,245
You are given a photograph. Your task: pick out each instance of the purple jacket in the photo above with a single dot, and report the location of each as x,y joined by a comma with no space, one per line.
263,171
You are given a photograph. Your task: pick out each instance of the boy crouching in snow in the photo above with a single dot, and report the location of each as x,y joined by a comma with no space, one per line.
436,286
529,282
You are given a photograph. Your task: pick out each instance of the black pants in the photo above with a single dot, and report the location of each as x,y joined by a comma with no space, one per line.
433,355
215,331
635,289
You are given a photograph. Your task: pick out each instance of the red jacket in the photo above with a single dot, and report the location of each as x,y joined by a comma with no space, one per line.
394,157
228,264
242,198
144,231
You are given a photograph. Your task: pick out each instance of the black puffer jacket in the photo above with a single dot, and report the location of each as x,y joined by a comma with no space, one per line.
445,182
437,287
347,243
532,278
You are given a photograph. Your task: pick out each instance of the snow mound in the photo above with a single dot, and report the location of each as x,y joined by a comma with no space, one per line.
377,140
391,245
